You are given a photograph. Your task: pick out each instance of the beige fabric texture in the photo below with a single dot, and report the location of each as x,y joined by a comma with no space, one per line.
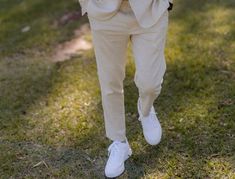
147,12
110,39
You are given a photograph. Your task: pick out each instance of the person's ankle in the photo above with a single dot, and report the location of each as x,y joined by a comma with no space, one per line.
121,140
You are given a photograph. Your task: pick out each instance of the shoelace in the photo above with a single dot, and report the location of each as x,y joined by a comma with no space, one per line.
113,147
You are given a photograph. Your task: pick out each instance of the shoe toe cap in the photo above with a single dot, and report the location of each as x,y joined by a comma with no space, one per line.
153,140
153,137
112,172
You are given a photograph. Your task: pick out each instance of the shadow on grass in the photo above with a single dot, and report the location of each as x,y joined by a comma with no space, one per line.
197,118
37,123
196,109
40,17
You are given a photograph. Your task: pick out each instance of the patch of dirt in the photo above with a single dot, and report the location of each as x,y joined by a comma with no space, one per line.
73,47
68,17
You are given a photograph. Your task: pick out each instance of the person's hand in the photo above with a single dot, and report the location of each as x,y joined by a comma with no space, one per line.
170,6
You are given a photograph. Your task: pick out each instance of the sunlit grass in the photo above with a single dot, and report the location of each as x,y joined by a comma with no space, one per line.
52,112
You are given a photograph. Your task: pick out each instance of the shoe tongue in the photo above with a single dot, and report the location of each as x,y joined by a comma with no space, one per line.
114,143
113,146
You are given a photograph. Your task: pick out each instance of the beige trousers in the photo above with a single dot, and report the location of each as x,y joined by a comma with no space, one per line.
110,39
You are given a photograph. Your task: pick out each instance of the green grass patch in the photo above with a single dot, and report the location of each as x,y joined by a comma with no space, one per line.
51,118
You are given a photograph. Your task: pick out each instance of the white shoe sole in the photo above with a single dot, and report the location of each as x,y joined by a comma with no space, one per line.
128,156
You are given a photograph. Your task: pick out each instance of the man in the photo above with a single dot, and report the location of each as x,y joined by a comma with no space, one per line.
113,23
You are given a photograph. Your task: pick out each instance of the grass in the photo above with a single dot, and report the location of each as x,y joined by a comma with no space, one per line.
51,120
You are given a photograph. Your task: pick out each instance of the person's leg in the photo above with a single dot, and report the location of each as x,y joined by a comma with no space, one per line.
148,50
110,51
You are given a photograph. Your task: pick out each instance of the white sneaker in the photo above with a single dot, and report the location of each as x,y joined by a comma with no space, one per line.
118,153
151,126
